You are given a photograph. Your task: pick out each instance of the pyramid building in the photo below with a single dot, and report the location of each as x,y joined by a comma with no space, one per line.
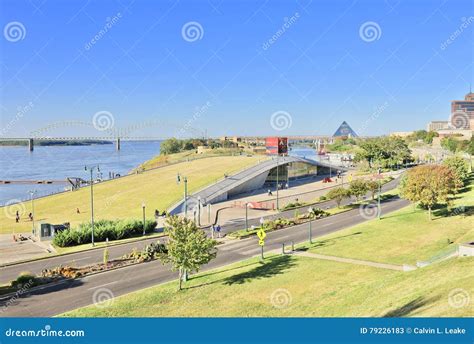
344,130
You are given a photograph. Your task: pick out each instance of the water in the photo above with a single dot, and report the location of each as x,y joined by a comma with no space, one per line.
60,162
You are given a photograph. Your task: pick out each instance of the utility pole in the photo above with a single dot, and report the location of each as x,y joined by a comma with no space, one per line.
277,181
32,194
143,210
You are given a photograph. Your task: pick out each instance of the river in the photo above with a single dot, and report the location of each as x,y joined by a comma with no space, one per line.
60,162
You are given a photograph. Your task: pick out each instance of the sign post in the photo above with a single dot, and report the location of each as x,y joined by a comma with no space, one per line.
261,236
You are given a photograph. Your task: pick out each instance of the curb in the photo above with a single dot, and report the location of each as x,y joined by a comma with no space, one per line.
76,252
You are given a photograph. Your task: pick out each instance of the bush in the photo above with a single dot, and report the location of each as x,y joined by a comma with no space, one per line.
25,279
103,230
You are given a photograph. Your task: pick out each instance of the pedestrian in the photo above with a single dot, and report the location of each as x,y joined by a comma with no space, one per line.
30,215
218,229
17,218
78,211
157,213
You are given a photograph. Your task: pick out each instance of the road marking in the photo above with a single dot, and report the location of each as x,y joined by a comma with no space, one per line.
103,285
76,260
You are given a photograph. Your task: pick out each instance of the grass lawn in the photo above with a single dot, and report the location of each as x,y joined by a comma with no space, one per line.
405,236
122,198
299,286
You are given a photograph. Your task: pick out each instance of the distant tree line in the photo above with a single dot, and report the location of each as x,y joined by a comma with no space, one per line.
174,145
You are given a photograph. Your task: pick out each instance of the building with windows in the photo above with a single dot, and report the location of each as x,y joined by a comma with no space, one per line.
437,125
462,113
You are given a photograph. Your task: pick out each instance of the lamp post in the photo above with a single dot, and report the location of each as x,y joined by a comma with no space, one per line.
199,211
32,196
246,216
143,211
185,180
261,246
277,181
380,189
91,170
310,212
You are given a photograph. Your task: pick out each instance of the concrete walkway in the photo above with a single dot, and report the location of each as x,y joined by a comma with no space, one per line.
351,261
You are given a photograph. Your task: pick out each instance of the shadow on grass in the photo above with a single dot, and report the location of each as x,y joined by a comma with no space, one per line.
272,267
410,307
455,211
328,242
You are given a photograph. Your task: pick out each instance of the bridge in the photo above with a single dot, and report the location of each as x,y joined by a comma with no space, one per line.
250,179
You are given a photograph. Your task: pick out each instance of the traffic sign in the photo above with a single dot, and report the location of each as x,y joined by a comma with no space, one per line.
261,242
261,234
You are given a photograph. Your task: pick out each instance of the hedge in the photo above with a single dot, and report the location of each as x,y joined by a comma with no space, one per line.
103,230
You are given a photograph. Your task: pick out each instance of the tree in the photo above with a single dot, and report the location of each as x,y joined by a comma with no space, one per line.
188,246
384,151
373,187
338,194
170,146
358,188
460,169
428,185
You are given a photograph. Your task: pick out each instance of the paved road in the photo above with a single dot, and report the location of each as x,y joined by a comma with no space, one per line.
78,293
9,273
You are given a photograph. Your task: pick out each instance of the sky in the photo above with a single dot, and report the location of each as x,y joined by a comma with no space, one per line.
147,68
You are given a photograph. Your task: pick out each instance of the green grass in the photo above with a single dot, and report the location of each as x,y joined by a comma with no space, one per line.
317,288
122,198
326,288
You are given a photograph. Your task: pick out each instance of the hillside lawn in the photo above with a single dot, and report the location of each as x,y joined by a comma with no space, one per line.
122,198
318,288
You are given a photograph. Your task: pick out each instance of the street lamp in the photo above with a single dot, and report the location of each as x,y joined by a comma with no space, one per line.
380,189
199,211
246,216
91,170
277,181
310,212
185,180
32,196
262,221
143,210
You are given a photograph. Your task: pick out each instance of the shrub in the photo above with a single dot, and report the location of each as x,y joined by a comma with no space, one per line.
25,279
103,230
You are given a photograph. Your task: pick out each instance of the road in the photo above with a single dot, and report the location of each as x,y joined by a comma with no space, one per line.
11,272
73,294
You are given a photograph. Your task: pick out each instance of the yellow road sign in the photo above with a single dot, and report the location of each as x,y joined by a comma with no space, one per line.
261,234
261,242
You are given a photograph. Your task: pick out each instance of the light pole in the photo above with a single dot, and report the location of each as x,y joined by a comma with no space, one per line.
199,211
143,211
277,181
91,170
32,195
246,217
380,189
261,246
310,212
185,180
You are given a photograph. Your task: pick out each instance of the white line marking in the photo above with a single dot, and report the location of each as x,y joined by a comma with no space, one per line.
103,285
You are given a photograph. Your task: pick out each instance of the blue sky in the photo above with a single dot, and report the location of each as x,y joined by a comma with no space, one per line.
318,70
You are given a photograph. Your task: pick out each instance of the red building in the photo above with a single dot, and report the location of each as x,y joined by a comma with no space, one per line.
276,145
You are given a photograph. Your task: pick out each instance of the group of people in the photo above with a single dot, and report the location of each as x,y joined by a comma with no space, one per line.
17,217
217,229
157,213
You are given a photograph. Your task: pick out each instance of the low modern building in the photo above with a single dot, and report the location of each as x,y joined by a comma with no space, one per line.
437,125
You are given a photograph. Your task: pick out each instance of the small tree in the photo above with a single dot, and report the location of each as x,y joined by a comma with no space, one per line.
358,188
460,169
428,185
373,187
188,246
338,194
